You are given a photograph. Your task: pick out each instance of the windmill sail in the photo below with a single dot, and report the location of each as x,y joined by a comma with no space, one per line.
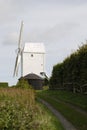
19,43
17,62
18,58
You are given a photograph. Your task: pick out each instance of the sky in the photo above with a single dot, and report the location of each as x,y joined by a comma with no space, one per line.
60,24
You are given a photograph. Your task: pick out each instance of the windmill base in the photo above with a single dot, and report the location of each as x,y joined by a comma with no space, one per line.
35,81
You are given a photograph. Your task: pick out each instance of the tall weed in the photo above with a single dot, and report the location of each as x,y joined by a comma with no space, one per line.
17,109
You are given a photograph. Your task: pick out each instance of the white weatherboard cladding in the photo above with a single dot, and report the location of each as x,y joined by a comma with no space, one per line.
33,58
34,47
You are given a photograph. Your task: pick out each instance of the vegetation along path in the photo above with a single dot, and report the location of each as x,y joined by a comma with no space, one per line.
67,125
72,106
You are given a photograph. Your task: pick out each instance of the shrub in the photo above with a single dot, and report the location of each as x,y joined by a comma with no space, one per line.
22,83
72,70
3,84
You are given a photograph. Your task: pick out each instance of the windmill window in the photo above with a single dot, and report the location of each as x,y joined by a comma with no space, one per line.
32,55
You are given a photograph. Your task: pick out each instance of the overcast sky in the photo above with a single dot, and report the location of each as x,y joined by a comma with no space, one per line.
60,24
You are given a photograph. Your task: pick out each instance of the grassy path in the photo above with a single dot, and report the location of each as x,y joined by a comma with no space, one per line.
49,117
77,99
78,119
78,109
66,124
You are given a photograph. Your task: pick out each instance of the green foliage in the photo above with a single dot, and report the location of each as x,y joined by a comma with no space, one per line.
52,122
57,76
45,87
3,84
22,83
46,81
16,109
72,70
19,111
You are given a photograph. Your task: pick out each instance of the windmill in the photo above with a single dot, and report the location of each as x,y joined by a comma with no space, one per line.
32,58
19,52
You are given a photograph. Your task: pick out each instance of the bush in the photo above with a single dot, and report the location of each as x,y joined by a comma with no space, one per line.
3,84
22,83
17,109
72,70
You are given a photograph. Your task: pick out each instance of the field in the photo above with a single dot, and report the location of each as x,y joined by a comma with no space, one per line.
63,102
20,111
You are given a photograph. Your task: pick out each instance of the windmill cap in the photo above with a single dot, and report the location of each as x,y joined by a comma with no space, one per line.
34,47
32,76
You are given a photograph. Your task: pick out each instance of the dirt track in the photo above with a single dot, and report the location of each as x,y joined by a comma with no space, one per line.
66,124
72,106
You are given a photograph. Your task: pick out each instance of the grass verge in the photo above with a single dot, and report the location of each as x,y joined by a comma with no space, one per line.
49,119
75,99
77,119
20,111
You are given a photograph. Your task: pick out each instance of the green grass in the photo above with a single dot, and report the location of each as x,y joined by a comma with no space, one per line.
3,84
20,111
52,122
75,99
77,119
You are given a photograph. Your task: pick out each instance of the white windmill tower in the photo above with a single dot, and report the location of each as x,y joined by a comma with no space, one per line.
32,58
